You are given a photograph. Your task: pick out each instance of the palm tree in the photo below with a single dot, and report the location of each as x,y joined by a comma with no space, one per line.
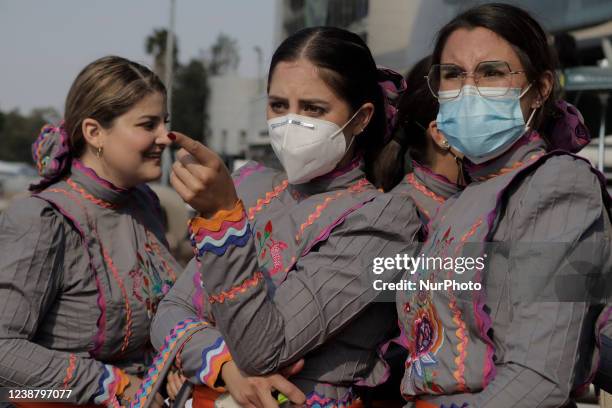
155,46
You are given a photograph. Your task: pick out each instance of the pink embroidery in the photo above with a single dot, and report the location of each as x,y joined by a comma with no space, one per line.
276,248
233,292
411,179
265,201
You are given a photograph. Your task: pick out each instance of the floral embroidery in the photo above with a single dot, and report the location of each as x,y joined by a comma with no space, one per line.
147,286
233,292
275,248
153,247
427,338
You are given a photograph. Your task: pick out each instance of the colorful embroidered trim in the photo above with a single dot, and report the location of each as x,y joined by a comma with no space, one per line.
261,202
69,371
246,171
90,197
357,187
213,358
89,172
513,167
459,373
126,301
101,323
217,235
111,384
154,246
233,292
160,361
198,294
411,179
316,400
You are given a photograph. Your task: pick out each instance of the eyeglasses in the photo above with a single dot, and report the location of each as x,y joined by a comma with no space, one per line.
493,79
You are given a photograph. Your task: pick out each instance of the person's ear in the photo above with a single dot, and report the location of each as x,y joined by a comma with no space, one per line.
93,134
438,137
544,88
363,118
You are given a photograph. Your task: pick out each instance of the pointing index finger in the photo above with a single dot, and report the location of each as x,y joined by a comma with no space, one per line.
195,148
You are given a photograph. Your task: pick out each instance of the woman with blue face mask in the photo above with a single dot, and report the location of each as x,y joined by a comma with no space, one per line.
506,316
284,259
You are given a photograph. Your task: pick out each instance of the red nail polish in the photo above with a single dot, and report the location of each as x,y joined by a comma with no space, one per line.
172,136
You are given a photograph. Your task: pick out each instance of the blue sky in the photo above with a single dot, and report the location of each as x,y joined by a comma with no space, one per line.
45,43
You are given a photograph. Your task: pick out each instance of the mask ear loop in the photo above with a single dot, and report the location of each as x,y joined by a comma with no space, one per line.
528,123
461,179
354,136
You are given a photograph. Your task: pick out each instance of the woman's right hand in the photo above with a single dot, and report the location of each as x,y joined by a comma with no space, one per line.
256,392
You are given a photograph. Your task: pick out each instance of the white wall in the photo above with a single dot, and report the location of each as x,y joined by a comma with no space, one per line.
229,112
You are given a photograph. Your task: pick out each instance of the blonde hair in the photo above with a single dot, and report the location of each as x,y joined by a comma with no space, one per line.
104,90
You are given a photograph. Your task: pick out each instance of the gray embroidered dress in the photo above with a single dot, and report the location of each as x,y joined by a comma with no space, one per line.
526,339
290,278
83,266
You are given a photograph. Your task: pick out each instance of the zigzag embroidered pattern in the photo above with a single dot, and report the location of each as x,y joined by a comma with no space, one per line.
213,358
69,371
231,237
89,197
459,373
216,235
126,301
508,169
315,400
230,294
265,201
107,389
359,186
411,179
161,359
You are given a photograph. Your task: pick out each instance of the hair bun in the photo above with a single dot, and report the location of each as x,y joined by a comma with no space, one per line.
568,132
51,153
393,85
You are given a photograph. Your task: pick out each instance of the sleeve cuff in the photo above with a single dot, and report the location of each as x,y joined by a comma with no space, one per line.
112,384
213,358
216,234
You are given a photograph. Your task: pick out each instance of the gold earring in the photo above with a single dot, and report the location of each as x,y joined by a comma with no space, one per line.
99,152
445,144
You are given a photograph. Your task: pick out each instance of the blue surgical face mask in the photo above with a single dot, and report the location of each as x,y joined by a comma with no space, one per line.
482,128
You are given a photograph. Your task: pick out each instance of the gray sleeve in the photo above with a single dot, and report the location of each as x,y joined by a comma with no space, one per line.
559,228
330,286
33,244
203,351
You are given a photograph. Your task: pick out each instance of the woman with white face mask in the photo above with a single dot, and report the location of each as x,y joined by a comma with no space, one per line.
534,221
285,258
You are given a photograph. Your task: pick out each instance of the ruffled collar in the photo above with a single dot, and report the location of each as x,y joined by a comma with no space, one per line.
88,183
527,149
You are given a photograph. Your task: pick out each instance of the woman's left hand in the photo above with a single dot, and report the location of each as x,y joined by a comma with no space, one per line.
200,177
